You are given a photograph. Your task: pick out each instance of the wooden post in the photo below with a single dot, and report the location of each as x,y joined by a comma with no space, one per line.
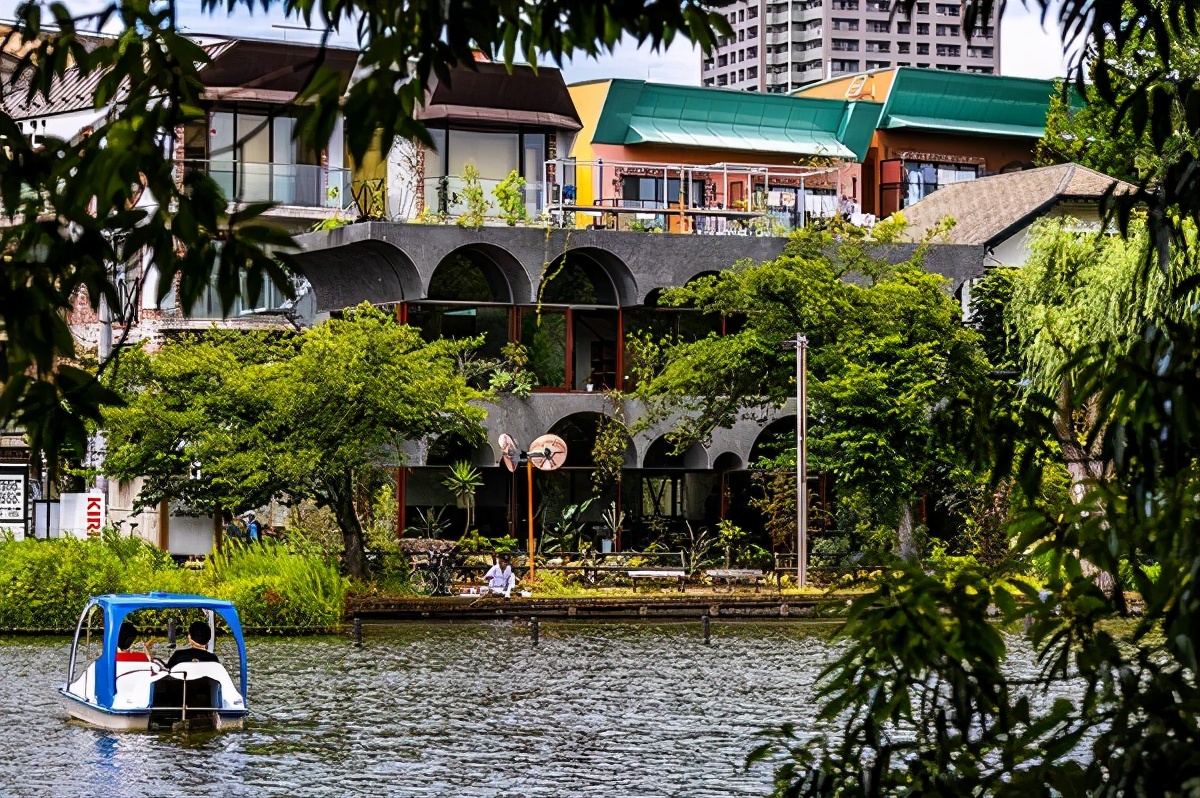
218,530
357,632
164,525
705,622
533,629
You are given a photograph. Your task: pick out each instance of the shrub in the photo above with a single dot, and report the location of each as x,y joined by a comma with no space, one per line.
45,584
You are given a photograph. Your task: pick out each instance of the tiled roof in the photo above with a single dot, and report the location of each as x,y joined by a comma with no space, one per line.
990,209
637,112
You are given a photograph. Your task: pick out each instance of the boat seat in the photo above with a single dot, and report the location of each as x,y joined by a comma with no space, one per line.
134,679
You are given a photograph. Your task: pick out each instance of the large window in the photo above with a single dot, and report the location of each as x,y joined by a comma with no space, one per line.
494,153
254,156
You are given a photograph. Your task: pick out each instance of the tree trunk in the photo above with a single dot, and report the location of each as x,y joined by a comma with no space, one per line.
353,550
907,539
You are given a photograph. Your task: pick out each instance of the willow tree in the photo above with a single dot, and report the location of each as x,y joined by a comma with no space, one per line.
1076,304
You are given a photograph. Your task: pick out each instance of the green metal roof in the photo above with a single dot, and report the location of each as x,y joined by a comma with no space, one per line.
967,103
636,112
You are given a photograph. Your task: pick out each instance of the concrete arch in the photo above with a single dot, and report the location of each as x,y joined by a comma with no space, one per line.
660,454
450,448
505,275
363,271
773,438
726,461
579,431
621,281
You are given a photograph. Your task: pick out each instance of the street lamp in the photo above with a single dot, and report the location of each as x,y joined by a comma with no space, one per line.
800,344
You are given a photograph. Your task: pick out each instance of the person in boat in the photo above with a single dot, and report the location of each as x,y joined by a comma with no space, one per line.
127,635
196,650
500,579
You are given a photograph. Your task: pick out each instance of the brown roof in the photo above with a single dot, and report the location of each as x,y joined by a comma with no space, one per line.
486,92
990,209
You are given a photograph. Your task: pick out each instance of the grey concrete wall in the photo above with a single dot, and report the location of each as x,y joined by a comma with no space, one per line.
383,262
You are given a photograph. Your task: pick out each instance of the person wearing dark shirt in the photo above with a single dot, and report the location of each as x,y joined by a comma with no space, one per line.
126,636
195,650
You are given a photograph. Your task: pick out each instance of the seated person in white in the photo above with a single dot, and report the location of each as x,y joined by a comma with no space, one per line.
500,579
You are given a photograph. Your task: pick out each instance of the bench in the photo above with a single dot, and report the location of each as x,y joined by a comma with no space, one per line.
679,575
730,575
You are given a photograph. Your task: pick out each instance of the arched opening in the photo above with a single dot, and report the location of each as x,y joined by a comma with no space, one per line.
674,489
364,271
470,294
775,446
431,508
579,493
574,335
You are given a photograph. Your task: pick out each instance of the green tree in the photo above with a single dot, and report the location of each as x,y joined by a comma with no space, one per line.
1099,134
1079,294
889,361
228,420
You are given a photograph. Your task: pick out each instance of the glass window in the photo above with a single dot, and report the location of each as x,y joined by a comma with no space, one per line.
545,336
494,154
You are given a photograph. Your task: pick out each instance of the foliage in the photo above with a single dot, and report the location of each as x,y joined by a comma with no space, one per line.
637,225
776,500
473,197
430,524
475,543
510,197
312,416
566,531
608,452
275,586
1084,128
1081,293
512,373
889,362
463,481
45,584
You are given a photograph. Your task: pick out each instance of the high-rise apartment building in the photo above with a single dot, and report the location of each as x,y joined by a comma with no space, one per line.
781,45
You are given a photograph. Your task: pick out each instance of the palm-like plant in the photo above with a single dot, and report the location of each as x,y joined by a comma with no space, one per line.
463,481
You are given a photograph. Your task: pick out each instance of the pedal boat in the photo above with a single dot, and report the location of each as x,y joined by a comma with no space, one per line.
111,692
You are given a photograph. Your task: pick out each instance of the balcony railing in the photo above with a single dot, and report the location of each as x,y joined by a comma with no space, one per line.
447,196
302,185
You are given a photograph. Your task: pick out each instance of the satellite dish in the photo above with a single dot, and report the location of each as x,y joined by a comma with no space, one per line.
508,451
548,453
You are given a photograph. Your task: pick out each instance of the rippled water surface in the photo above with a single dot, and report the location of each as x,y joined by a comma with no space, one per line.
443,710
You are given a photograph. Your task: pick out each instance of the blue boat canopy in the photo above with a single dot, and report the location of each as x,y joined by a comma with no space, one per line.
117,606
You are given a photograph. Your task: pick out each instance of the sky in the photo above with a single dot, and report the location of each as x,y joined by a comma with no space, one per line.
1026,49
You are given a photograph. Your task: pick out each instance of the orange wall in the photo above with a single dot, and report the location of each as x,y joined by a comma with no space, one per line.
998,154
876,87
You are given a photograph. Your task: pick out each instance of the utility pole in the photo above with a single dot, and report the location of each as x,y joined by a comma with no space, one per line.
801,345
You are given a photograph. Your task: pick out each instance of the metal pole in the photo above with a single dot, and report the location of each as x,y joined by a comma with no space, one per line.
529,471
801,460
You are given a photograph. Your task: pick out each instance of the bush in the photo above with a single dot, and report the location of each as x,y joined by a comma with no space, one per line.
45,584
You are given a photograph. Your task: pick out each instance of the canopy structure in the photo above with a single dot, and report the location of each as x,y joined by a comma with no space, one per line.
967,103
117,606
637,112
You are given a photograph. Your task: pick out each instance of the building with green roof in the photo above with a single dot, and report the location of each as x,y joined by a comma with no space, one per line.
938,127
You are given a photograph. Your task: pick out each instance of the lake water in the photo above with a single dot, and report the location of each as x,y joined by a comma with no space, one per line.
456,710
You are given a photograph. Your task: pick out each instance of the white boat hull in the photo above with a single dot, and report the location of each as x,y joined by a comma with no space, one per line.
100,718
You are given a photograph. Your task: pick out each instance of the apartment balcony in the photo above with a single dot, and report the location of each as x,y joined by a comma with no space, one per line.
781,37
775,59
447,196
289,184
